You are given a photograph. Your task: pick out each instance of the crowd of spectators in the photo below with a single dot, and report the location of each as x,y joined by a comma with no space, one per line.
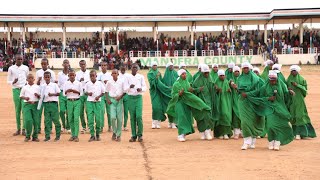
240,41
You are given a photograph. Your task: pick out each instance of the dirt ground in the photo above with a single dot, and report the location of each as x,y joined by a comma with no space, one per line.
160,156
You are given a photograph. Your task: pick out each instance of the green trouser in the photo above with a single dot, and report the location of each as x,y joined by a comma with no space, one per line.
63,109
94,114
105,107
135,110
116,109
17,105
125,110
83,100
31,119
73,116
51,115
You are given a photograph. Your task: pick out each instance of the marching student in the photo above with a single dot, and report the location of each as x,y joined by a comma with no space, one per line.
73,90
236,123
229,71
30,93
224,103
40,81
214,72
50,92
104,77
301,123
137,87
94,90
116,89
62,79
125,75
83,77
17,76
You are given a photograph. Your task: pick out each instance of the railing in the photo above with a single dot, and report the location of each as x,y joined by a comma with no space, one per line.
178,53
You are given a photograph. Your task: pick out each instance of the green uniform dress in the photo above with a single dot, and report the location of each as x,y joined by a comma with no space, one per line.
160,95
207,95
278,127
301,122
224,104
188,105
229,75
236,123
251,108
169,77
213,75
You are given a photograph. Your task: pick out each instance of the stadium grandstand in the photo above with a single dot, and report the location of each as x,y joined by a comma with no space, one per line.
287,35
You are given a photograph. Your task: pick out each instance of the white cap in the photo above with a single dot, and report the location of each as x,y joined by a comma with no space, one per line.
231,65
154,63
295,68
245,65
199,66
215,65
256,69
236,68
277,66
169,64
205,68
250,67
181,71
273,75
182,65
221,72
267,62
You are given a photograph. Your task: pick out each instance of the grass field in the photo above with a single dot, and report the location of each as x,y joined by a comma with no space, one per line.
160,156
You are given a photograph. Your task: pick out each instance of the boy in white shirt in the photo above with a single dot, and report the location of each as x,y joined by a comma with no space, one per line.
83,77
94,90
137,87
30,93
123,75
17,76
62,79
104,77
41,81
50,92
73,91
116,89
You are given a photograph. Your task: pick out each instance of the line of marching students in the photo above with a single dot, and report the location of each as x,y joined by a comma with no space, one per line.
72,94
232,103
237,102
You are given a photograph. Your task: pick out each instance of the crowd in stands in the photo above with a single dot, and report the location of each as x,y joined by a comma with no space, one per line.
240,41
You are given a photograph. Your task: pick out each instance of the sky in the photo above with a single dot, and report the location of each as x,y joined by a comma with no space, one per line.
149,6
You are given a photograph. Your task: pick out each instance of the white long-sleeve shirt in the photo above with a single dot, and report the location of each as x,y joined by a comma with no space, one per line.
49,88
139,82
116,88
85,75
75,85
104,77
29,91
62,79
19,72
96,89
124,76
40,73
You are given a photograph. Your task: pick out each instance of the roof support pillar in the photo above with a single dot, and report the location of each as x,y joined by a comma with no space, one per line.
63,37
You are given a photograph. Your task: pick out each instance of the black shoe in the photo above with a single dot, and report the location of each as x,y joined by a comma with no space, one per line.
35,139
98,138
56,139
114,136
27,139
18,132
118,139
71,139
92,138
132,139
140,139
23,132
76,139
46,140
